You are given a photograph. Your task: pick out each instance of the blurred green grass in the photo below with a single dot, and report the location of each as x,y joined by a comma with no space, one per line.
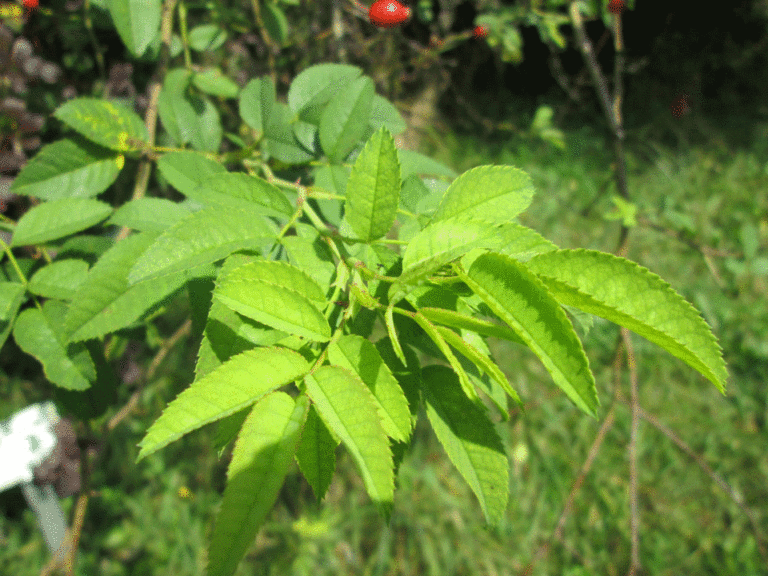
154,518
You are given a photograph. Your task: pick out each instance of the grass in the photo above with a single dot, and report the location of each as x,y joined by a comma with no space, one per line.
154,518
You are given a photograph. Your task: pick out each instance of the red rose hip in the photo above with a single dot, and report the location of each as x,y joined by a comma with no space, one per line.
388,13
480,32
616,6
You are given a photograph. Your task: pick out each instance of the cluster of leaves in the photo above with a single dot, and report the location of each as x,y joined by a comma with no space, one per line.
291,281
503,25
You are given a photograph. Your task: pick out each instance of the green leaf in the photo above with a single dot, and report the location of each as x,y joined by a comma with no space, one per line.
187,116
347,407
316,85
316,454
436,337
137,22
201,238
256,102
275,22
483,362
227,333
60,279
413,162
522,301
469,440
457,320
390,322
279,274
11,297
68,169
385,114
312,256
58,218
105,302
438,244
186,170
345,119
495,193
281,140
213,81
38,334
149,214
240,190
360,357
206,37
234,385
274,303
260,461
107,123
632,296
373,188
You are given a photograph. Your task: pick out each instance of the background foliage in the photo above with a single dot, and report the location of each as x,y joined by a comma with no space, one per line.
697,183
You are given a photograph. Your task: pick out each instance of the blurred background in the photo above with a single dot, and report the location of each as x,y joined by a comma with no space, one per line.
517,93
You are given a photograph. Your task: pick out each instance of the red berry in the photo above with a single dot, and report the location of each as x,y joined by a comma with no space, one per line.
616,6
480,32
681,105
30,4
388,13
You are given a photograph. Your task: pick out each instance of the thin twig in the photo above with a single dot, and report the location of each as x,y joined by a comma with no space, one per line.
167,346
634,512
150,117
716,478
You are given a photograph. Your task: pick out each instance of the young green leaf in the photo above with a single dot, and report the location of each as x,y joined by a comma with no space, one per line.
107,123
347,407
632,296
105,302
316,454
240,190
201,238
256,102
523,302
483,362
36,332
69,168
360,356
280,274
285,298
495,193
260,461
390,322
345,119
469,440
149,214
58,218
458,320
437,338
137,22
316,85
373,188
188,116
439,244
60,279
234,385
185,170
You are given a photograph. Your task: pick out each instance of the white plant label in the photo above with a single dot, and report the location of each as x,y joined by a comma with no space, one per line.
26,439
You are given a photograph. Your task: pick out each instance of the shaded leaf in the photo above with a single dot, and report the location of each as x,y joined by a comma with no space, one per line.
260,461
469,440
